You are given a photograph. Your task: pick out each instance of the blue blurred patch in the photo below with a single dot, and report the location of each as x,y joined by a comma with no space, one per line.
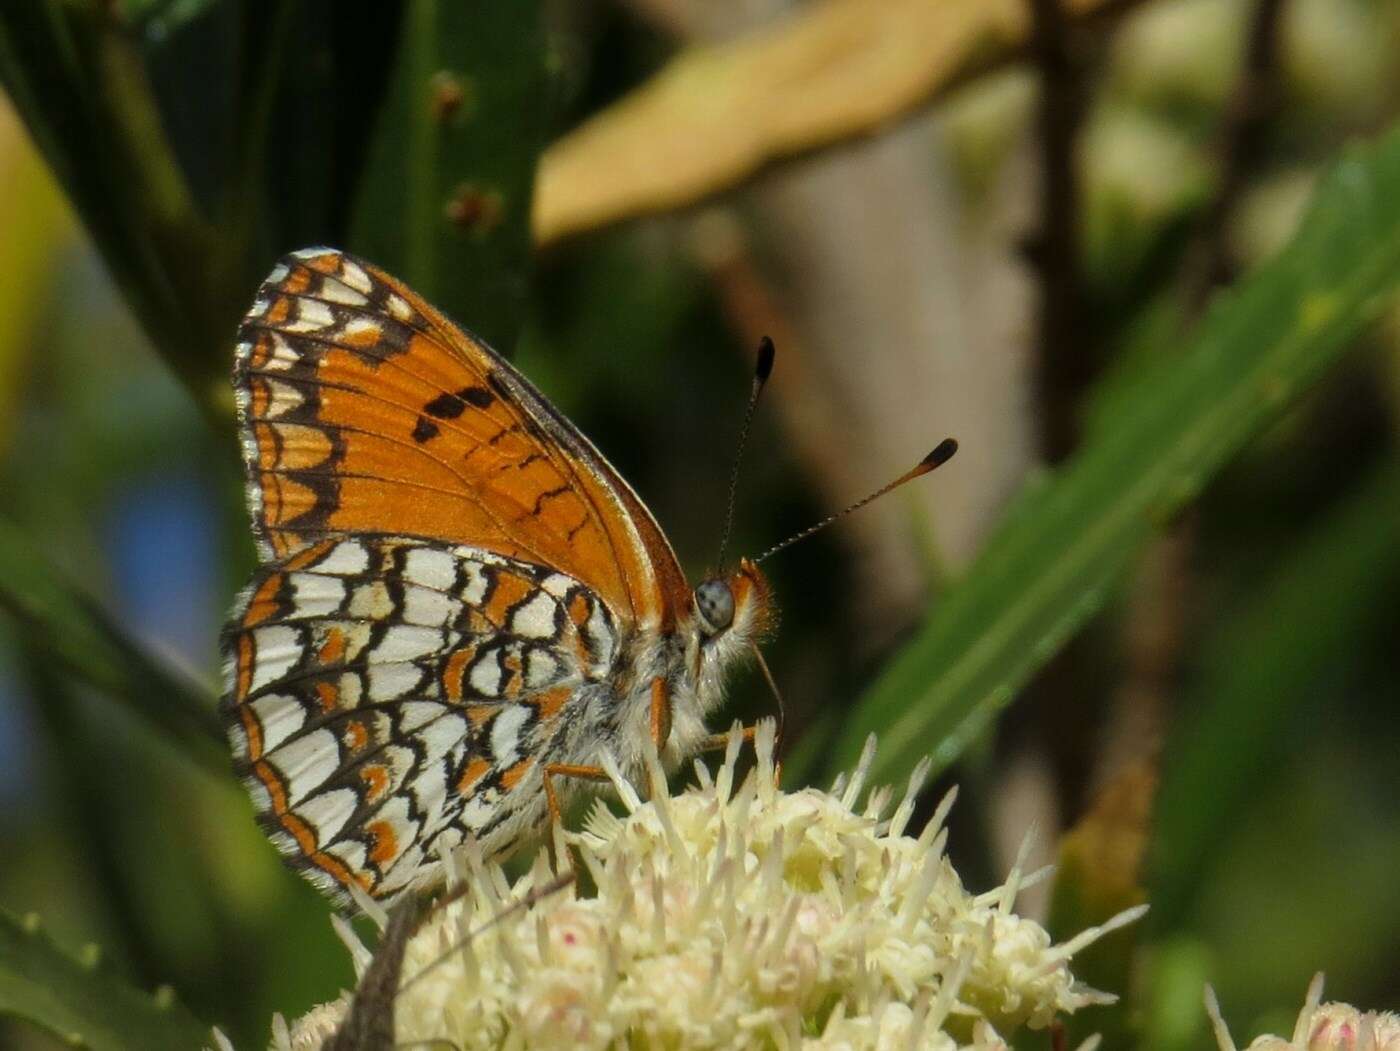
161,543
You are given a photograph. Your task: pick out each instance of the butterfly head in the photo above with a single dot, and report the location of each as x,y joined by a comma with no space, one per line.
736,607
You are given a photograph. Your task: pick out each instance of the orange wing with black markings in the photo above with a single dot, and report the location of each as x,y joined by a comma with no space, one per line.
364,410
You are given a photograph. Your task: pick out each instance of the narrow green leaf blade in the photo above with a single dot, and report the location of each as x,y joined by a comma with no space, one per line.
80,82
1305,621
72,630
314,76
446,202
84,1003
1044,573
42,72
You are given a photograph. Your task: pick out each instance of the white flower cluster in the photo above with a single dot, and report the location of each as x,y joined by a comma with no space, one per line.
1320,1027
734,919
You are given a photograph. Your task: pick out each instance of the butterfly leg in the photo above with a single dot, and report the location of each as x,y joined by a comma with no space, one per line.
578,770
719,742
562,855
660,714
660,718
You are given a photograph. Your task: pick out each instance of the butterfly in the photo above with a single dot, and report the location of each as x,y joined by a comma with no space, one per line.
459,604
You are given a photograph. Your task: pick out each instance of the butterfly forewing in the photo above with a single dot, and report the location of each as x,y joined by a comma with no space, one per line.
390,694
363,409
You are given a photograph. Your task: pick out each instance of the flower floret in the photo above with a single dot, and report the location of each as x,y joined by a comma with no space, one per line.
736,918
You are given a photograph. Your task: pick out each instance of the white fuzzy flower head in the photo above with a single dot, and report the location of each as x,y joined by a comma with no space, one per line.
735,919
1320,1027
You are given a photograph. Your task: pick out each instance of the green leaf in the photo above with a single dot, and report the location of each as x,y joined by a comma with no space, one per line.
1042,575
54,87
82,1002
79,81
190,213
72,631
314,76
1235,722
447,202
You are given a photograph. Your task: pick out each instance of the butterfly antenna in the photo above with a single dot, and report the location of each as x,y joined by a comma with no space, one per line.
941,454
763,368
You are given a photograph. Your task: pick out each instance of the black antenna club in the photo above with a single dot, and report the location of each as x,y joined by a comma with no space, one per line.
941,454
763,368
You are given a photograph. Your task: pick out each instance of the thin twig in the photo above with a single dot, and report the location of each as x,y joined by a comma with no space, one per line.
1065,366
369,1023
1063,362
1240,144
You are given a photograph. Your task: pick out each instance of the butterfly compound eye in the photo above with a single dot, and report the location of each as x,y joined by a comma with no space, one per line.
715,604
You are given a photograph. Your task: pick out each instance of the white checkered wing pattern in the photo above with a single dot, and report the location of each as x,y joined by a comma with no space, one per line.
388,697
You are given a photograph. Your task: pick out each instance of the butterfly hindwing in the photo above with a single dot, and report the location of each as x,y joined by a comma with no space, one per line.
387,695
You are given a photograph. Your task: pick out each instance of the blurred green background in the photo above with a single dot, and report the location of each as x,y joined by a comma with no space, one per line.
1151,608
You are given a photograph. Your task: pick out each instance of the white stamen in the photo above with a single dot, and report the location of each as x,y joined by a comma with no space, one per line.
1223,1039
1012,887
360,956
905,810
867,757
368,905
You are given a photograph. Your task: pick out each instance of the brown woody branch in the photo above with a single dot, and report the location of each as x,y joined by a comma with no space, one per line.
1064,363
1240,143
